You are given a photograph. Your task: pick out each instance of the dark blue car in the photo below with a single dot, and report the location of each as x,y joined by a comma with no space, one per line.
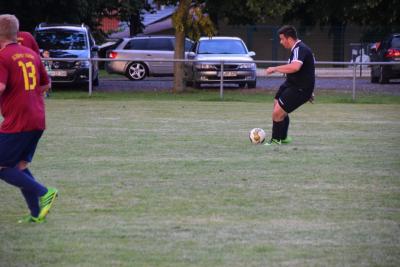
387,50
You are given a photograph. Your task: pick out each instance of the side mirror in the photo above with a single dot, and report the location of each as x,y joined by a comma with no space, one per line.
191,55
95,48
252,53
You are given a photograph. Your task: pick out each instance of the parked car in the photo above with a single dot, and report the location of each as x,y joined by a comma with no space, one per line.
105,47
68,41
138,50
387,50
239,68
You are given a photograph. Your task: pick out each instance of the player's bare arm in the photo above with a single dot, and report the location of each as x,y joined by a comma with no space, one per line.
287,68
45,88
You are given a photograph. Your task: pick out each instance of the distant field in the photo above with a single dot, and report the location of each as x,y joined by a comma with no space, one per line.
172,180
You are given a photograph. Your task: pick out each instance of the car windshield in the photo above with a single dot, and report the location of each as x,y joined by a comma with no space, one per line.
61,40
215,46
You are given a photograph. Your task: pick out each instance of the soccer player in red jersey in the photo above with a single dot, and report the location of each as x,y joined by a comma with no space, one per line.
26,39
23,80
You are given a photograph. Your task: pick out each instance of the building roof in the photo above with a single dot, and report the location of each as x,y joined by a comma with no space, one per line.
153,22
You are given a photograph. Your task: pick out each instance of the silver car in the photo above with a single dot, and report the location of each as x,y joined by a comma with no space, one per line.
139,50
239,67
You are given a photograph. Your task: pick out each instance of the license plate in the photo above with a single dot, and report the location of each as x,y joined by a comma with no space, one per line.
228,74
57,73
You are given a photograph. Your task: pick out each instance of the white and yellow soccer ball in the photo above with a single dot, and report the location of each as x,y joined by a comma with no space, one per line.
257,136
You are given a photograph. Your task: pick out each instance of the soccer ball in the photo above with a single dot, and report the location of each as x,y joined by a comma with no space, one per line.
257,136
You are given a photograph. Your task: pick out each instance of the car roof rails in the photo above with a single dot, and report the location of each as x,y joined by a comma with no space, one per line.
46,24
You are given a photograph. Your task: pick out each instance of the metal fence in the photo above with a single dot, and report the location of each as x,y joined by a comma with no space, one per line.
353,65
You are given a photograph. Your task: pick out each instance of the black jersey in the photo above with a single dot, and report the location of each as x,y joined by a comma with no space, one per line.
304,78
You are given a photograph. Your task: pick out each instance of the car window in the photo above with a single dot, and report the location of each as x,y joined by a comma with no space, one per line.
396,42
61,39
137,44
91,40
162,44
188,45
215,46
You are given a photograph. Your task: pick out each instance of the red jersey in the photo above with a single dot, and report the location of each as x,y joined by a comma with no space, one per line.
22,103
26,39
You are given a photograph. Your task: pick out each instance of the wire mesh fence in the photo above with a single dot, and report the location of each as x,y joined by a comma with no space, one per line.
352,70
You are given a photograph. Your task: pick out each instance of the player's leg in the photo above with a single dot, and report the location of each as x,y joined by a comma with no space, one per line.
286,139
289,100
278,121
278,114
16,177
45,201
12,149
31,199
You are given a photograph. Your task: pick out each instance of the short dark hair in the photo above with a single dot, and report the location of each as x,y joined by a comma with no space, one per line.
288,31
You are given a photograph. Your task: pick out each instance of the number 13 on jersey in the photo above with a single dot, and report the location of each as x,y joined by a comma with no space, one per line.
29,72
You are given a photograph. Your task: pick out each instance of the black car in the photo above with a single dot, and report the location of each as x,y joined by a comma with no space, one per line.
68,41
387,50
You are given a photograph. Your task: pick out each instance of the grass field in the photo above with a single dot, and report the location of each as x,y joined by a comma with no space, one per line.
175,182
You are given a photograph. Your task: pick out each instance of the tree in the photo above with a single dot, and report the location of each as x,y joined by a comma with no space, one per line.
130,11
31,13
381,15
378,16
188,20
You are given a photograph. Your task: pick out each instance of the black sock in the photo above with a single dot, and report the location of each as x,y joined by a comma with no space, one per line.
285,127
277,129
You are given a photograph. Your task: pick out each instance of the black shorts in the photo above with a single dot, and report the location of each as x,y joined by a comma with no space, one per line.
290,98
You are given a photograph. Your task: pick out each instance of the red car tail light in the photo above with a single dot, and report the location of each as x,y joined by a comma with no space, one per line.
392,53
113,54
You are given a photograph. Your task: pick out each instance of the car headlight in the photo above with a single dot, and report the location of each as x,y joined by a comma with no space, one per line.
247,66
205,66
82,64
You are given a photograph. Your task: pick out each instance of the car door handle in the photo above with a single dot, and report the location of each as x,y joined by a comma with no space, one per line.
149,55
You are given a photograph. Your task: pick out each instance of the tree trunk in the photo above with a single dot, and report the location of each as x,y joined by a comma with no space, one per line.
179,84
180,20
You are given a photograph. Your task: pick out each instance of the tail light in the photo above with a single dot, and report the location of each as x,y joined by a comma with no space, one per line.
112,54
392,53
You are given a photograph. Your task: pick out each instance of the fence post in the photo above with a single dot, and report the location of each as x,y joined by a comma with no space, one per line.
221,85
354,81
90,77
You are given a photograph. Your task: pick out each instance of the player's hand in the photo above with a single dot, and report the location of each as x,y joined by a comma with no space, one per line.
270,70
312,98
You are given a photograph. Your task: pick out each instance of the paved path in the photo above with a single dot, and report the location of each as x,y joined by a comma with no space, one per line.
157,84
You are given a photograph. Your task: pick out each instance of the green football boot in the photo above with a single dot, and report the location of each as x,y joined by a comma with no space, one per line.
273,142
287,140
31,219
46,201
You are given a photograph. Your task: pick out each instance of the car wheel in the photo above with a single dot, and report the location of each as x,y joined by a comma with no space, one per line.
252,84
136,71
382,78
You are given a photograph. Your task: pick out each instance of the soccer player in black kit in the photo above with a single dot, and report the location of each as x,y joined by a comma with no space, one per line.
298,87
